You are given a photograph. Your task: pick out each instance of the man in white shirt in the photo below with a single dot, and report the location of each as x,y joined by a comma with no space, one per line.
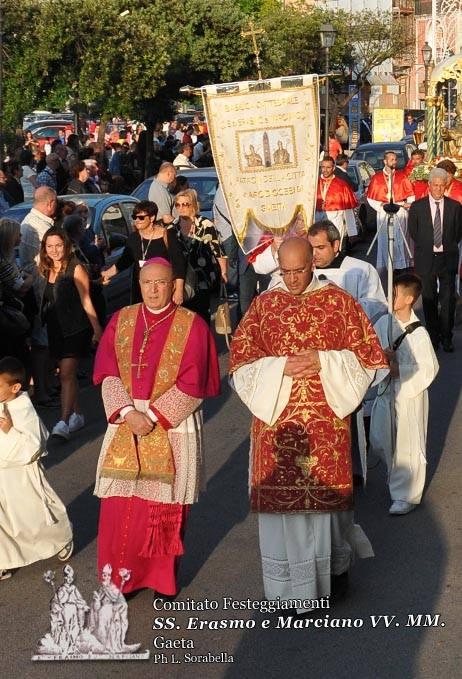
183,159
33,227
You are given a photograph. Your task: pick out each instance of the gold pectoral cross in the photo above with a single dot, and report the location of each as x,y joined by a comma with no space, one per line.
140,365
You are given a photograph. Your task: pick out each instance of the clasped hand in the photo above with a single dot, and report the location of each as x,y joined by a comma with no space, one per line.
139,423
304,364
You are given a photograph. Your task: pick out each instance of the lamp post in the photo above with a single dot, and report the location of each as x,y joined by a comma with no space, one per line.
327,33
427,60
1,81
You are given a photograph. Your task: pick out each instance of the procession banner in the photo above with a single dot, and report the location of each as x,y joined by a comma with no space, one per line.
265,142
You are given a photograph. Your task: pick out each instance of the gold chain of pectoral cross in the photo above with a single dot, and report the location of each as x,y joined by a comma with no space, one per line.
146,334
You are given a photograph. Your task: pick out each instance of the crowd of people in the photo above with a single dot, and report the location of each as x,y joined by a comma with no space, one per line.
81,164
308,358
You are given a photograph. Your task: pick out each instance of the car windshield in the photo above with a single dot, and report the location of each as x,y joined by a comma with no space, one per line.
375,157
206,188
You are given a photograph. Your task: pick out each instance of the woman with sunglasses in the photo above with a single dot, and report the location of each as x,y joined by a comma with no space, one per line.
201,245
149,240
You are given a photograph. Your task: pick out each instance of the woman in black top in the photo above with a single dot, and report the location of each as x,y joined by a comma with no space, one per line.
71,320
149,240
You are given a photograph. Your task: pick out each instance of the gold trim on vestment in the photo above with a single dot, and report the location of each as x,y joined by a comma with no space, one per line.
146,457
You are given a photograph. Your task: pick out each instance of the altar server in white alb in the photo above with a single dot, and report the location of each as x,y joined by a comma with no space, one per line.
401,440
33,520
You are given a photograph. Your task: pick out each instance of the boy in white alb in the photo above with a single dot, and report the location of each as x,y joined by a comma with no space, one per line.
401,440
33,520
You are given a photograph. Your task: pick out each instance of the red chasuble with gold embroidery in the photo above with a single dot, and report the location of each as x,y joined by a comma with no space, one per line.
303,462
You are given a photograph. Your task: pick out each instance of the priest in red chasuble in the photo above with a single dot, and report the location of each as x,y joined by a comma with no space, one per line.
302,359
336,200
156,363
392,185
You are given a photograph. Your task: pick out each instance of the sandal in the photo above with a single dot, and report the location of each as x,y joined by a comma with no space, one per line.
66,551
5,574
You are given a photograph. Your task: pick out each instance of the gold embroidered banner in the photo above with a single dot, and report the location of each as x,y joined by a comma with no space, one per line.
265,142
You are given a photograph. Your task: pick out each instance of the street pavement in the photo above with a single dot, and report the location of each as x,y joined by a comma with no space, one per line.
416,569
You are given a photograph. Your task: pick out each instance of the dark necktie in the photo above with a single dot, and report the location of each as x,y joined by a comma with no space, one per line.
437,232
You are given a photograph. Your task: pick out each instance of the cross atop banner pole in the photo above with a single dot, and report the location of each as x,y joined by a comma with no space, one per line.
252,33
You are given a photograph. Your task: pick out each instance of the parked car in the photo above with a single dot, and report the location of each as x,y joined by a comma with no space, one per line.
60,123
110,217
361,172
46,117
47,132
373,153
203,179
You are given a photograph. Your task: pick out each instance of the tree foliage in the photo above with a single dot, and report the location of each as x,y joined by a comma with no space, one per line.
364,41
84,53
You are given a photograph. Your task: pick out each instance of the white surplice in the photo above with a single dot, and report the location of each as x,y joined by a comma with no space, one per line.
344,220
33,520
402,256
300,550
404,449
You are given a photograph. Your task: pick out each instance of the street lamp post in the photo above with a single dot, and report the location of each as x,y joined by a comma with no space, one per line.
427,60
1,81
327,33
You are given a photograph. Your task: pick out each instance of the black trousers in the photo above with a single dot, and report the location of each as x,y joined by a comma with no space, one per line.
439,304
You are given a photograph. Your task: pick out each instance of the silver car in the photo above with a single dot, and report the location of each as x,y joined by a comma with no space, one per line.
109,218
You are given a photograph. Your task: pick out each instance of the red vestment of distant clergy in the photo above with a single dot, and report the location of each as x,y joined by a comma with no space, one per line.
302,463
143,535
334,194
455,190
378,188
420,188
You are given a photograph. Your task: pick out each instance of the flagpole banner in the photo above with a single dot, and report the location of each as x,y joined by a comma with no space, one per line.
265,143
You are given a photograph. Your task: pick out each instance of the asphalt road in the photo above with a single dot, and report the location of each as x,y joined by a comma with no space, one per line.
416,569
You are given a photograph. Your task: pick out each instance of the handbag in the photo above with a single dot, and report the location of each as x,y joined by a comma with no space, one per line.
12,321
190,282
223,317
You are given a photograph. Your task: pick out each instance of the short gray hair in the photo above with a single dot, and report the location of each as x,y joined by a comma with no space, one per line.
437,173
327,227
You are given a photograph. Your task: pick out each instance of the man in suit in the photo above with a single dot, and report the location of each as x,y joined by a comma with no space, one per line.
435,224
341,170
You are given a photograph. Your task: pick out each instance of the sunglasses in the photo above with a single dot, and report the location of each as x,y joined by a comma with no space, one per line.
182,204
139,217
